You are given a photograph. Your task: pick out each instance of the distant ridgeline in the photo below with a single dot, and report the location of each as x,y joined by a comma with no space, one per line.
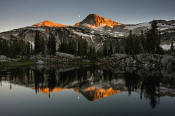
94,37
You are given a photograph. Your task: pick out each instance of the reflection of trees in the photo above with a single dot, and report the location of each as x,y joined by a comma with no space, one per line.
151,88
52,82
107,76
81,78
38,79
132,82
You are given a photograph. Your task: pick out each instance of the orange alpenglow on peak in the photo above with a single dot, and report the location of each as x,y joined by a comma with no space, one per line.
95,21
49,24
47,90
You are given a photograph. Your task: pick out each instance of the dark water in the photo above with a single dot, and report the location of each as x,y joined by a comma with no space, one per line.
51,91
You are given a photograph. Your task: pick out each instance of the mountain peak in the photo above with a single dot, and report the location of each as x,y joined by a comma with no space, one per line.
94,21
95,15
47,23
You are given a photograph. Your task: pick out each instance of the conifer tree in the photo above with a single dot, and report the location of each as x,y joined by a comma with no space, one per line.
82,47
143,42
28,49
51,46
110,52
172,48
37,43
117,48
105,49
153,39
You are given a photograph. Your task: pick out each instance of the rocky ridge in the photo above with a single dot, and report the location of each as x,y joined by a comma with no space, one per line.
104,28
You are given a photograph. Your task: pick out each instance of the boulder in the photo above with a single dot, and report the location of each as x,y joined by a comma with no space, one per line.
40,62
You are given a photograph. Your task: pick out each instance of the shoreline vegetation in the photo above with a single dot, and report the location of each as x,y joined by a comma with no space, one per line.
116,60
15,64
23,63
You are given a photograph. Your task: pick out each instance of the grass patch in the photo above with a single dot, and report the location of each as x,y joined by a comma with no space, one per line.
16,64
82,62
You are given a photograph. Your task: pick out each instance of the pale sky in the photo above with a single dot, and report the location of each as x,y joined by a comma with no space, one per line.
21,13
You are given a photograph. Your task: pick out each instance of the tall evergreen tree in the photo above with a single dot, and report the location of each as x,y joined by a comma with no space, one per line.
153,39
28,49
143,42
82,47
117,48
37,43
51,46
110,51
172,47
132,44
105,49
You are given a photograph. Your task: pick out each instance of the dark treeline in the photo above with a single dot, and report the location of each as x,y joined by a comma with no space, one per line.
79,47
43,46
20,47
15,48
144,43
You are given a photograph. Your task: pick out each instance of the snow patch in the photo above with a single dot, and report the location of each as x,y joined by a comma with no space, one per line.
166,46
132,27
35,29
83,35
32,43
163,27
117,34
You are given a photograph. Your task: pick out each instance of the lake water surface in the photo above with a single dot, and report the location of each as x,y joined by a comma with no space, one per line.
52,91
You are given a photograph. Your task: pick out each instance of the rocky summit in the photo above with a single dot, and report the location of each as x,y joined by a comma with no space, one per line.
95,21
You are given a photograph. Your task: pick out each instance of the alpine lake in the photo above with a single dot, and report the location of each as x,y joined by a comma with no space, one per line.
84,91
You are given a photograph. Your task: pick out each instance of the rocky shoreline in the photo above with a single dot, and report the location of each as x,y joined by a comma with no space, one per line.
115,63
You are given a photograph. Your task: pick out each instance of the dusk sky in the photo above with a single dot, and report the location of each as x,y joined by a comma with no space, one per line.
21,13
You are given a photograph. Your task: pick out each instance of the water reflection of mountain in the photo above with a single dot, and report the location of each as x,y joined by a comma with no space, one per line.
92,93
92,83
95,93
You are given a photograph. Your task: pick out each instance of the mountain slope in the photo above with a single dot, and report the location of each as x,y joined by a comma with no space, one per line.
94,21
49,24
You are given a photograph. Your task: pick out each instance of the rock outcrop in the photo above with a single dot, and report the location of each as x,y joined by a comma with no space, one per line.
143,64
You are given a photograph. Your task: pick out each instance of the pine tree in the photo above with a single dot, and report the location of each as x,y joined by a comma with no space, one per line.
51,46
117,48
172,48
128,44
143,42
37,43
133,44
82,47
92,54
28,49
153,39
105,49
